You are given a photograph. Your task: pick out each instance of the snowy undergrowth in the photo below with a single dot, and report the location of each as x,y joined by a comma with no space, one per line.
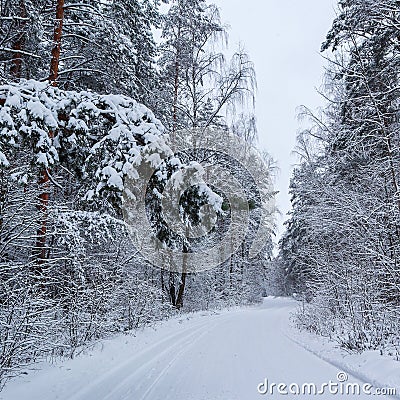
381,370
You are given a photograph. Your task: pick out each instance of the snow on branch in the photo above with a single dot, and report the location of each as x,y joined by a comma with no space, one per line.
26,53
111,133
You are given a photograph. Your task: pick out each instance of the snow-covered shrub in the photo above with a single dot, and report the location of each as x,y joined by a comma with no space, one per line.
28,321
103,288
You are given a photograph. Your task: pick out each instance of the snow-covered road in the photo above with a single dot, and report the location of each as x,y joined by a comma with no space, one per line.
220,356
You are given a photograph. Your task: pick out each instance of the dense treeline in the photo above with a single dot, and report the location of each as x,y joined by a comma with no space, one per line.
73,79
341,250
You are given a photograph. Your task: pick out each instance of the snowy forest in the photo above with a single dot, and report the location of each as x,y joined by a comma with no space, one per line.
86,91
91,89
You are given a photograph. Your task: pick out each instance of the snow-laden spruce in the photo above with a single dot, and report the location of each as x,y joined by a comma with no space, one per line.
111,133
103,138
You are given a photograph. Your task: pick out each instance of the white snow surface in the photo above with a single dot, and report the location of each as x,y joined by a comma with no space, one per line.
205,356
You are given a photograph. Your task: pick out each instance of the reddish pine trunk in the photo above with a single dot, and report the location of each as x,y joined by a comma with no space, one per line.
44,180
56,50
16,63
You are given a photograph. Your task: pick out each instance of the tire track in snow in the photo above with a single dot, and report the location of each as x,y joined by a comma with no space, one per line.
172,362
128,387
122,373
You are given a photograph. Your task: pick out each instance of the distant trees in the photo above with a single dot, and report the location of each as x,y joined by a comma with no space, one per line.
197,83
341,248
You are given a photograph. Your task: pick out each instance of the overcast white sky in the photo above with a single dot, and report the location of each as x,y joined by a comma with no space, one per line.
283,38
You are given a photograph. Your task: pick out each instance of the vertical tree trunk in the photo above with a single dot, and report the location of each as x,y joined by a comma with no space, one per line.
19,44
44,181
182,283
179,298
172,294
162,283
56,50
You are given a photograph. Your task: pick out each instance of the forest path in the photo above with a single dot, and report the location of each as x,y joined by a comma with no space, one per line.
214,356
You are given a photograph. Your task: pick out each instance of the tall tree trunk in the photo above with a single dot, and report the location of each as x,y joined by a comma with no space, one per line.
19,44
176,299
172,294
56,50
44,180
182,283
